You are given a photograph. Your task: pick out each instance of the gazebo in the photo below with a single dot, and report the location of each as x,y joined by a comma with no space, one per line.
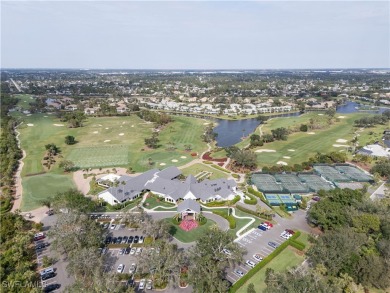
188,209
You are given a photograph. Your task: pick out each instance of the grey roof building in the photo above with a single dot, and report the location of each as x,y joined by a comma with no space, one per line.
188,205
166,184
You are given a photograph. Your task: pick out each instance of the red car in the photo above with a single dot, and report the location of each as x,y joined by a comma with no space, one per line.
269,224
39,236
289,231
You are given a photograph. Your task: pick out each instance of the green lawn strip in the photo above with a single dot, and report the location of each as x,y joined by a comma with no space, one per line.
190,236
286,259
41,187
198,168
163,210
306,145
152,202
220,168
261,265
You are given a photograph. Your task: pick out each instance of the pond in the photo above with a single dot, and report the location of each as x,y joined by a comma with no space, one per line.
230,132
353,107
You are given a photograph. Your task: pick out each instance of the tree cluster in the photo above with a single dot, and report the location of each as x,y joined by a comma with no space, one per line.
371,121
209,135
159,118
75,119
242,158
382,168
153,141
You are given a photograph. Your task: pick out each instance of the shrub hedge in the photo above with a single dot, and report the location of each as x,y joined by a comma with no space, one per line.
297,244
236,176
263,263
248,211
207,162
251,201
230,219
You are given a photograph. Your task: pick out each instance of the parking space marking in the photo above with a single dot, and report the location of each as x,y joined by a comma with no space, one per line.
244,268
279,241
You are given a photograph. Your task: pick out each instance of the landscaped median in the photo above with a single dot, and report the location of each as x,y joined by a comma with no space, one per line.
292,241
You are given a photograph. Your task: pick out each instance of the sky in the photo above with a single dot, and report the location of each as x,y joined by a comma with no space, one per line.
195,35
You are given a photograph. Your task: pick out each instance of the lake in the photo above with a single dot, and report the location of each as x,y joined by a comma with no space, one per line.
230,132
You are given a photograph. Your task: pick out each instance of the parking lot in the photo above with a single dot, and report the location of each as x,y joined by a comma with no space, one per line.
255,242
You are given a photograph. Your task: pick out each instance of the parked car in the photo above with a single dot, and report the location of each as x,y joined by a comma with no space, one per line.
120,239
136,239
41,245
51,288
285,235
108,240
133,268
257,257
262,227
120,268
250,263
266,225
273,244
269,224
127,250
141,285
112,227
226,251
132,251
46,271
149,284
290,231
239,273
48,276
138,250
114,240
125,238
130,240
39,236
141,239
105,226
316,198
50,212
130,282
122,251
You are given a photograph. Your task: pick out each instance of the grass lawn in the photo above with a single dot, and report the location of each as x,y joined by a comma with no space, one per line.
307,145
286,259
152,202
40,187
197,168
189,236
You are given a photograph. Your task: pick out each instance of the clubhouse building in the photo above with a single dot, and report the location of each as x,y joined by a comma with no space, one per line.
167,185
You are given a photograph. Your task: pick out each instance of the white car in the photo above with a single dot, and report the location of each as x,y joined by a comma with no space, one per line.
250,263
132,251
257,257
239,273
133,268
120,268
285,235
138,250
112,227
226,251
141,239
149,284
141,285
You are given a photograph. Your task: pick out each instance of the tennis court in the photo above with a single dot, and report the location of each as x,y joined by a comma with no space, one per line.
314,182
353,173
291,183
266,183
331,174
273,199
286,198
350,185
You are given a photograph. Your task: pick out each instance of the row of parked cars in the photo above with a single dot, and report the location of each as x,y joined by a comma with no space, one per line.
265,226
124,239
47,273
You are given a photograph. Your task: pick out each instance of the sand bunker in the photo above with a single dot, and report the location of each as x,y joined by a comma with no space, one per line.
123,122
341,140
95,132
58,125
107,128
183,157
311,133
174,161
265,151
100,125
30,124
121,134
281,163
132,125
162,164
320,114
341,117
28,114
291,150
286,157
206,123
45,116
107,140
340,145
